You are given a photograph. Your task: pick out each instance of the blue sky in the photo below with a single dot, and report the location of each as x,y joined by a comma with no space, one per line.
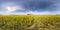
30,6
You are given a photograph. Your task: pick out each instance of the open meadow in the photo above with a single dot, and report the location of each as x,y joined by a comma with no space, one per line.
29,22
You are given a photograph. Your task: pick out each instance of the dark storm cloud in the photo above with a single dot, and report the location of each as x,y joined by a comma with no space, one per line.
37,5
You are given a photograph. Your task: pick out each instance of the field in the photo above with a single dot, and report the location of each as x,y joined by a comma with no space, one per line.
29,22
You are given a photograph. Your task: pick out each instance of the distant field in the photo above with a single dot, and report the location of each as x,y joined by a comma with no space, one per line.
29,22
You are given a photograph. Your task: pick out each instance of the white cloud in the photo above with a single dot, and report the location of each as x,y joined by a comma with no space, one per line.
36,12
13,8
10,7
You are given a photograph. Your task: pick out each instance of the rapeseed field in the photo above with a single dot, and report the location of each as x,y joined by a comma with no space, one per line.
29,22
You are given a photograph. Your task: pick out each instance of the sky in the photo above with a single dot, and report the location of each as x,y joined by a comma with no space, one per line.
30,6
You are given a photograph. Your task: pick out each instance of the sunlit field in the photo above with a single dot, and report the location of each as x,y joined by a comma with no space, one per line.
29,22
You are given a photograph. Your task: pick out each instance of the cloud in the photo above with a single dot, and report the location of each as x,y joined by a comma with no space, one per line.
37,5
9,7
32,6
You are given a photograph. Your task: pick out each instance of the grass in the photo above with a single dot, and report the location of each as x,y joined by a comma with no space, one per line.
29,22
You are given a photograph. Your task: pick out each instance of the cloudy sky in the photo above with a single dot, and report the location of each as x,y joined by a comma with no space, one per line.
30,6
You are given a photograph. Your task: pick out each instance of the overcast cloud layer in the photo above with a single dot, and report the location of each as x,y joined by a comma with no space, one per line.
30,6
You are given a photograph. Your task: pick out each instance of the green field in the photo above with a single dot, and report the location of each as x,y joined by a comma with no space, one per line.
29,22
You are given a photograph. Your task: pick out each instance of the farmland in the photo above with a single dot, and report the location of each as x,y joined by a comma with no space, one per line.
29,22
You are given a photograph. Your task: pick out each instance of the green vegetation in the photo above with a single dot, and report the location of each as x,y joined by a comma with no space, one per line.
29,22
